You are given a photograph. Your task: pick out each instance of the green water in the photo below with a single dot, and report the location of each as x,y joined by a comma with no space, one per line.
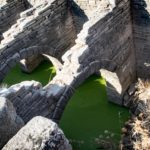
44,73
89,120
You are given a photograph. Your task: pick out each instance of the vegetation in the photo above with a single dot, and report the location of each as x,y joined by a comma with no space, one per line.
136,133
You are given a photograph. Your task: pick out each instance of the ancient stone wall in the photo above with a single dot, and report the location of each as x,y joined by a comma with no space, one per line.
109,38
32,52
141,32
49,25
9,13
82,10
104,42
27,98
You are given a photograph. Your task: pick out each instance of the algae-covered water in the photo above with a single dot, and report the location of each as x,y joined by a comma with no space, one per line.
43,73
90,122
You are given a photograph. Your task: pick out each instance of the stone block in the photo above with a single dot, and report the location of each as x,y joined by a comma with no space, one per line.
39,133
10,122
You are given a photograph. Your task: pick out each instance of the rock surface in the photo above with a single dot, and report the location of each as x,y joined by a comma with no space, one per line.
39,134
10,122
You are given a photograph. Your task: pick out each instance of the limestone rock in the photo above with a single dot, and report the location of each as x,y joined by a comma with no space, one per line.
39,134
10,123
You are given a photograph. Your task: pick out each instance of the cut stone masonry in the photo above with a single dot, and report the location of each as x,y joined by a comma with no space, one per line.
80,38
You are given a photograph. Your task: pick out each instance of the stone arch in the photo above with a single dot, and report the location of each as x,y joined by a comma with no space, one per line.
55,62
59,91
114,88
76,79
24,54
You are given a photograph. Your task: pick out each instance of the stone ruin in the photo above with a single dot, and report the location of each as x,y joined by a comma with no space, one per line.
80,38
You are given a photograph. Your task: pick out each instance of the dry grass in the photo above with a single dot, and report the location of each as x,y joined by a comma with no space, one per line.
144,90
141,127
138,130
141,135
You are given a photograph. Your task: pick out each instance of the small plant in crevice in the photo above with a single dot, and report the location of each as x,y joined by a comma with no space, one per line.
106,141
3,86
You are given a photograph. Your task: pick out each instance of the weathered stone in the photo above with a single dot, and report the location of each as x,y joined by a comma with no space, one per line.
29,64
9,12
105,37
38,134
131,89
141,34
10,122
88,35
126,100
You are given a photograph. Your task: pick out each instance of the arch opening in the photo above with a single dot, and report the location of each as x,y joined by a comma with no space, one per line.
89,120
43,73
29,59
